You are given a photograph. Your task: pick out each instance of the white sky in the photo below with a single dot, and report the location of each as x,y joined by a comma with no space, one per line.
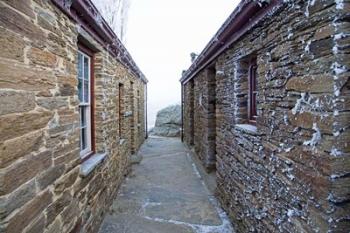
161,34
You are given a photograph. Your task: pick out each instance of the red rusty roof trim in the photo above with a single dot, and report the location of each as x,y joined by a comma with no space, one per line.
89,18
247,14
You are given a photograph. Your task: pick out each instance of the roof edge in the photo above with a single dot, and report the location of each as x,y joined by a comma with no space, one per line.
246,14
85,13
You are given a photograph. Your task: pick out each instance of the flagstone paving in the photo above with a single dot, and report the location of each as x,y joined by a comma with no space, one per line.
165,194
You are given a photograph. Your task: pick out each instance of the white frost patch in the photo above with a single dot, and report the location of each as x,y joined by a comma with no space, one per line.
336,113
336,90
219,72
297,106
307,47
309,3
335,152
339,4
338,69
247,127
288,149
316,137
196,171
290,213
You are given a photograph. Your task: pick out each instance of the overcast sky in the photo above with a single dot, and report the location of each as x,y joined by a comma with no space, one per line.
161,35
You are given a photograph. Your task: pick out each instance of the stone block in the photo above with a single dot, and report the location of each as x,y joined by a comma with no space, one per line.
11,45
312,83
29,212
23,171
53,103
67,180
22,6
37,226
49,176
18,147
57,207
16,125
21,77
16,102
42,57
17,199
16,22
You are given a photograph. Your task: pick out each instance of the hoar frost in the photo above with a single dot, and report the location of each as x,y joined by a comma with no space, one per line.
316,137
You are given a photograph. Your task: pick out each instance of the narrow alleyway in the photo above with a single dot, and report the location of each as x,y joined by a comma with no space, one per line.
165,194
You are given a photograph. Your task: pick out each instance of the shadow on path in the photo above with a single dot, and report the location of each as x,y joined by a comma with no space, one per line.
165,194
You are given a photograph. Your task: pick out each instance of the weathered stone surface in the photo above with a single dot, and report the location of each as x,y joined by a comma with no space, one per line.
18,222
17,199
39,122
67,180
20,77
23,171
168,122
313,83
24,102
16,125
11,46
286,172
53,103
16,22
41,57
18,147
37,226
57,207
50,176
23,7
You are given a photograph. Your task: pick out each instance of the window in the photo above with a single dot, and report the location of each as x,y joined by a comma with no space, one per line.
252,100
120,108
85,105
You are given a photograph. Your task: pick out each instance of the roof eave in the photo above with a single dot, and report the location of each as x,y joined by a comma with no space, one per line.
246,15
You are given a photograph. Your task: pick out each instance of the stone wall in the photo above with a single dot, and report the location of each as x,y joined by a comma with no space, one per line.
41,185
290,171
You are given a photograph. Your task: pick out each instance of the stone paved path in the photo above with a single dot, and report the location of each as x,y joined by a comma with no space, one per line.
165,194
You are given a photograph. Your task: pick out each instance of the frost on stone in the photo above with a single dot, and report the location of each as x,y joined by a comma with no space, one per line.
316,137
338,68
307,47
335,152
339,4
298,106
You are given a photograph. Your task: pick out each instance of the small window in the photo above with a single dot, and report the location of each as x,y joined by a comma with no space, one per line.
84,93
121,109
252,95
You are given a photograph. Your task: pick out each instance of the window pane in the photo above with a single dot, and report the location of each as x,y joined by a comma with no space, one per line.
82,116
80,89
86,91
86,68
80,65
83,139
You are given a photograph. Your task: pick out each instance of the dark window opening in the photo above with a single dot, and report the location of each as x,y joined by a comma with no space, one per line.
252,95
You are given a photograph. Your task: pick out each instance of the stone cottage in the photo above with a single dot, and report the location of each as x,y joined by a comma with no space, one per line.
266,105
72,112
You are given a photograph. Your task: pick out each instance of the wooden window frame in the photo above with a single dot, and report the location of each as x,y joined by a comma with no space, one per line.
252,94
86,154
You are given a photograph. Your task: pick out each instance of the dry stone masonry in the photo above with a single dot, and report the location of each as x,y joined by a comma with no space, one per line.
45,186
287,170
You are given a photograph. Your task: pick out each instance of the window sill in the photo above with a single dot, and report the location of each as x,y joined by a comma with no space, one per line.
248,128
89,165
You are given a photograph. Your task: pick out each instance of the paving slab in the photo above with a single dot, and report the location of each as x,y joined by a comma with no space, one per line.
165,193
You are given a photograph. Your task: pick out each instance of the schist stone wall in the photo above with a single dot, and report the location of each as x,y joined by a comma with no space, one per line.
42,188
290,171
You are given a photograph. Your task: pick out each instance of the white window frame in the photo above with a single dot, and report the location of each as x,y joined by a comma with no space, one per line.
86,105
